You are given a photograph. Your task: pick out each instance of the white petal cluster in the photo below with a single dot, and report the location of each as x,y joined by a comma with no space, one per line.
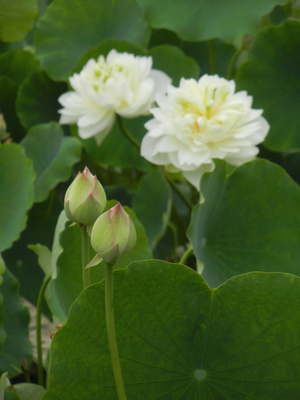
202,120
121,84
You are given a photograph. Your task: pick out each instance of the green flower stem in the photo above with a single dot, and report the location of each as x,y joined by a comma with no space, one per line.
38,331
180,193
127,133
111,333
232,63
85,246
186,255
212,58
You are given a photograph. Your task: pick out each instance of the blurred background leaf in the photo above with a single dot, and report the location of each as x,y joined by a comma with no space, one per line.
249,221
17,198
53,156
271,76
37,100
69,28
197,20
16,19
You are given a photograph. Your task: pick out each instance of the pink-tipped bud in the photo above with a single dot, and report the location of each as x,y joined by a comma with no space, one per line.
85,199
113,234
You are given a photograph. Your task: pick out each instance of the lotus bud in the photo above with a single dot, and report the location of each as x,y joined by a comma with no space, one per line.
113,234
85,199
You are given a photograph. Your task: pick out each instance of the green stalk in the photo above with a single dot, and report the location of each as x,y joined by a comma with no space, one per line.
85,249
39,331
180,193
127,133
186,255
232,63
111,333
211,55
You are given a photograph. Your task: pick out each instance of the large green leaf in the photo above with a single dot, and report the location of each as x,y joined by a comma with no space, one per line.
16,19
179,339
152,205
37,100
70,27
248,222
17,65
16,320
197,20
271,76
66,282
53,156
16,192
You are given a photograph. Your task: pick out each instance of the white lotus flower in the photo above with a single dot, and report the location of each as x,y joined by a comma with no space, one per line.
121,84
200,121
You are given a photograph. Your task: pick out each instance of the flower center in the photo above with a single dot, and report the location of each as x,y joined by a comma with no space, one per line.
202,120
208,114
101,72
